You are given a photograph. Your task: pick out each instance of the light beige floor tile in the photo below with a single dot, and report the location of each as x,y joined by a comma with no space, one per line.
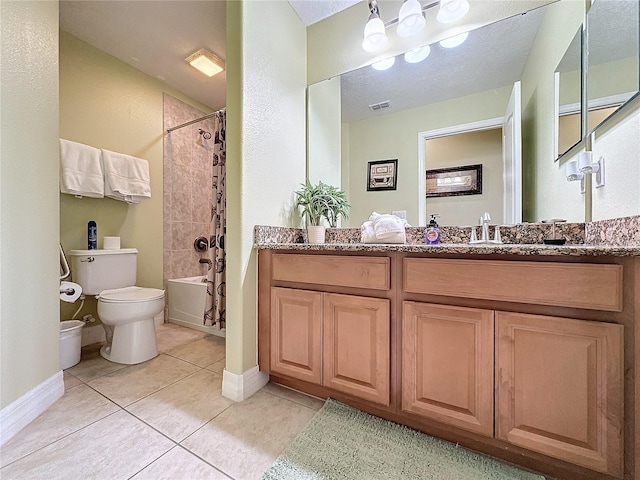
117,446
203,352
298,397
137,381
218,366
169,336
178,464
251,434
181,408
78,407
70,381
92,365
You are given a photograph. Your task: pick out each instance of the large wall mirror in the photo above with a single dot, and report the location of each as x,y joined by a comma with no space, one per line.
568,95
613,72
368,115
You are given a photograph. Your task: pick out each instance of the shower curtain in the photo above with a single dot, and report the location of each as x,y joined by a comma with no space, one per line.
215,309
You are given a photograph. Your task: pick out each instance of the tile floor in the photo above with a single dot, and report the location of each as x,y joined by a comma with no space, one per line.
162,419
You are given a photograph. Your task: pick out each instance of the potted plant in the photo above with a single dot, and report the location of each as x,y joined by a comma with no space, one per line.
318,202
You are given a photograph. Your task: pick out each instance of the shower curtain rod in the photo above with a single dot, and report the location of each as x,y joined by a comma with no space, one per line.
209,115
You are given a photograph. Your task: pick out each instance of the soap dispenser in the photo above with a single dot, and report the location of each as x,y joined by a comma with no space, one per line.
432,233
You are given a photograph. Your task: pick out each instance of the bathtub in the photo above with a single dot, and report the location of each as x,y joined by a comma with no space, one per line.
186,298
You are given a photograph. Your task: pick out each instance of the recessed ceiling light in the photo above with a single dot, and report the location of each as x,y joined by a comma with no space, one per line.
206,62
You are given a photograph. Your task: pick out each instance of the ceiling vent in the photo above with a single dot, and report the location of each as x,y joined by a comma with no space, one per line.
379,106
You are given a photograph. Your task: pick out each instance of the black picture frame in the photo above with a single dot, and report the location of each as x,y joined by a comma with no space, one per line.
454,181
382,175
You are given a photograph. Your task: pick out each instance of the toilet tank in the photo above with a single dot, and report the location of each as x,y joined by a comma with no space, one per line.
98,270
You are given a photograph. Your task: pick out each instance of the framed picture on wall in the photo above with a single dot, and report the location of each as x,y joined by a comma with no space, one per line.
382,175
453,181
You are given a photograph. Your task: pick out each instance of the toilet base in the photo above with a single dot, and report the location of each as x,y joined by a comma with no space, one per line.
132,343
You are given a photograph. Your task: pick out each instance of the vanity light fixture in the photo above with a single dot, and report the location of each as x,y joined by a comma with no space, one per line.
375,39
452,10
573,173
417,54
453,42
385,64
411,20
206,62
588,167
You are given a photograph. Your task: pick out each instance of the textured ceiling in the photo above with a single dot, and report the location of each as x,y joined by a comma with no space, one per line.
312,11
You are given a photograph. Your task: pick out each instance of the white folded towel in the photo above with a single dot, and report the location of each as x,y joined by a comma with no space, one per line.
126,178
367,234
389,228
383,229
80,170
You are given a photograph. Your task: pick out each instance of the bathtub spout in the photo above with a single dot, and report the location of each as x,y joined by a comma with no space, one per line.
207,261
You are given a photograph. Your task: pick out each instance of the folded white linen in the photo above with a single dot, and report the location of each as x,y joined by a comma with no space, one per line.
389,228
81,172
126,178
367,234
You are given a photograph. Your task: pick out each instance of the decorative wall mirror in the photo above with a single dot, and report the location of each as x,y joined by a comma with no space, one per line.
613,54
568,96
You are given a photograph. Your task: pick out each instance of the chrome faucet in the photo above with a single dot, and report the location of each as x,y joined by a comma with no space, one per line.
207,261
484,236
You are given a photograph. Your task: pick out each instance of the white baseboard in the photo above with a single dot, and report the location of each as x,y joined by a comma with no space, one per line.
93,334
240,387
20,413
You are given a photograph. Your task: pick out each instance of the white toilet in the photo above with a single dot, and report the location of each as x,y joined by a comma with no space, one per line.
125,310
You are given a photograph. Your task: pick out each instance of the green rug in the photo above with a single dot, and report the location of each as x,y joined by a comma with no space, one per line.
343,443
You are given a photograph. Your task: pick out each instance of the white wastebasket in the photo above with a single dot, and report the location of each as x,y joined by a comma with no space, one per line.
70,342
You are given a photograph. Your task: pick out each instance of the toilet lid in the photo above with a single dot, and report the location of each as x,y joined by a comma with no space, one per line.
130,294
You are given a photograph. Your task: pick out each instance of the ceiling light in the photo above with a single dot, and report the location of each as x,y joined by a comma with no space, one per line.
454,41
417,54
410,18
385,64
452,10
206,62
374,37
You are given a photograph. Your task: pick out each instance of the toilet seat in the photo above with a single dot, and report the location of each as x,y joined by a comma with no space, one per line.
130,295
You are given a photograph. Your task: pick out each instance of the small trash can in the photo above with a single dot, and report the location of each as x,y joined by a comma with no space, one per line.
70,342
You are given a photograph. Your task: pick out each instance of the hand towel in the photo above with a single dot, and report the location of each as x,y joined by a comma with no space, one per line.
389,228
81,171
126,178
367,234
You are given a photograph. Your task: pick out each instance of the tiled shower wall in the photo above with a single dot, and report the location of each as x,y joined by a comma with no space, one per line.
187,189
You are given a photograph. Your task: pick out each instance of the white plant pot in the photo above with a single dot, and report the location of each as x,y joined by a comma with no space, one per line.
315,233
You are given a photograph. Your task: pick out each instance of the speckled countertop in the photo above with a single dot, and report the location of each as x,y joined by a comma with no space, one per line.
607,238
461,248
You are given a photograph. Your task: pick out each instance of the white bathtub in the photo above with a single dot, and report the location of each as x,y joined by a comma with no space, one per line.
186,298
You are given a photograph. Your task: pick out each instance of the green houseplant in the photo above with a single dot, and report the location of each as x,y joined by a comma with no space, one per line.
318,202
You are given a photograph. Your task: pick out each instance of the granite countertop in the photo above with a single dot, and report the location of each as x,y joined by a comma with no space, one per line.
461,248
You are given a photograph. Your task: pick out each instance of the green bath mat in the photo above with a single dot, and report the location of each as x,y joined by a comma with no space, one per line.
342,443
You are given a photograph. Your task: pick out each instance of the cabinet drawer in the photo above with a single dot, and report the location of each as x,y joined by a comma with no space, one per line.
340,271
574,285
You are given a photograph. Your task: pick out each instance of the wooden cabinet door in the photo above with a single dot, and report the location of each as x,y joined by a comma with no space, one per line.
357,346
447,365
296,334
560,388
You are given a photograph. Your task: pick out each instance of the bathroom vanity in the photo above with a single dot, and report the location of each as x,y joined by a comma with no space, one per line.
522,352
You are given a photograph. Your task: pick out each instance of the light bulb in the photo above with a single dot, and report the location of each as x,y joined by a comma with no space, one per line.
410,18
375,39
452,10
385,64
454,41
417,54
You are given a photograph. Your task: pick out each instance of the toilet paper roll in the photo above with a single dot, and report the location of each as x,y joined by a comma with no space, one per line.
65,291
111,243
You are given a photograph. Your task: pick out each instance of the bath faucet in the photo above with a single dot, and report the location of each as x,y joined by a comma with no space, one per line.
207,261
484,238
484,221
